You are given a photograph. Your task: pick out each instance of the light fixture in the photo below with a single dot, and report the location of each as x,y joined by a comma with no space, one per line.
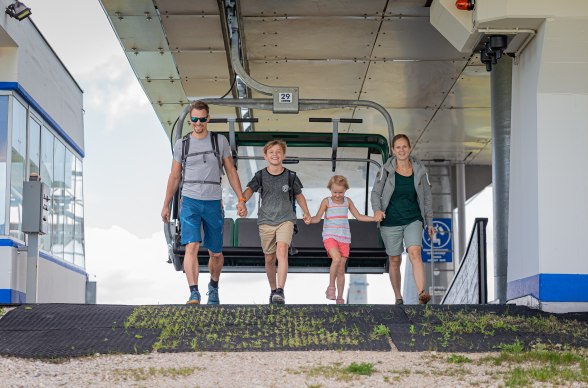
465,5
18,10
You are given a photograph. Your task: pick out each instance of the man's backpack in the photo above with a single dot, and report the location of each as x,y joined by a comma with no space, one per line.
186,154
291,178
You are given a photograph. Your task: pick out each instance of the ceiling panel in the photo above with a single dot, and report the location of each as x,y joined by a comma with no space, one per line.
164,91
309,38
411,122
484,156
407,8
129,7
187,7
203,64
472,89
205,88
316,79
414,84
139,34
154,65
299,122
413,38
193,32
312,7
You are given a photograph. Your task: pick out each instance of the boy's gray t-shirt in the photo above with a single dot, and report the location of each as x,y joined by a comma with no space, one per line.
202,167
275,201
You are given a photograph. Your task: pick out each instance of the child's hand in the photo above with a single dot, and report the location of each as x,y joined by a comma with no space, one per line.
307,218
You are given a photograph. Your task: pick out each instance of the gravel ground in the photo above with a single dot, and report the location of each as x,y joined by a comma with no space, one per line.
250,369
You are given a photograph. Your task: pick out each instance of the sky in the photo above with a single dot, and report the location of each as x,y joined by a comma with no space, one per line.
126,167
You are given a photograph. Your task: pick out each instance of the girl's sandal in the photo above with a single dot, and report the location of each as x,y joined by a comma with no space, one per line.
330,293
340,301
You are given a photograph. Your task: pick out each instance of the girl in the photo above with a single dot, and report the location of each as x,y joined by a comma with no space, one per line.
336,233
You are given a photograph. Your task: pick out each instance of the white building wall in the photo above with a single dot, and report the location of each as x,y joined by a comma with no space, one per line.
40,72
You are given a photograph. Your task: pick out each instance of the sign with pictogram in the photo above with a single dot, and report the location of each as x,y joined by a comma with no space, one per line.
442,242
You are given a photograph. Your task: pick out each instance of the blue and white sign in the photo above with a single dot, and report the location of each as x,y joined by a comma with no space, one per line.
442,242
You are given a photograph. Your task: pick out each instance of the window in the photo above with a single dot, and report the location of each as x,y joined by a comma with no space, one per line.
79,248
58,194
17,170
34,147
3,160
68,207
47,140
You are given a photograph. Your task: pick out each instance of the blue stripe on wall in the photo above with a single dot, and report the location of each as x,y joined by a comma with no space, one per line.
9,296
31,101
550,287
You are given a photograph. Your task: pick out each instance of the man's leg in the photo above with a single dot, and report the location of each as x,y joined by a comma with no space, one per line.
212,221
215,266
192,270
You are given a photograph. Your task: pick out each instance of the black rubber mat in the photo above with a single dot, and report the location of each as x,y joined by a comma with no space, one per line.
64,330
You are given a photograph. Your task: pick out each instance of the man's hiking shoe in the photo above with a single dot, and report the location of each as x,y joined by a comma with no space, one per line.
330,293
212,295
399,301
424,297
278,297
194,298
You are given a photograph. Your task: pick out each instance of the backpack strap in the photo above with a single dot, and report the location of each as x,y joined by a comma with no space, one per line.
291,179
258,179
216,150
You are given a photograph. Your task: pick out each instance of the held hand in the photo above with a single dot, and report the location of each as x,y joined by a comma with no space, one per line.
165,215
307,218
241,209
379,215
431,232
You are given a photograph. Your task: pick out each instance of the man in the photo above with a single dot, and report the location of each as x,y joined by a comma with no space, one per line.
201,205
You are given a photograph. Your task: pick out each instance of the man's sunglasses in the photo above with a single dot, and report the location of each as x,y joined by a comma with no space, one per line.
201,119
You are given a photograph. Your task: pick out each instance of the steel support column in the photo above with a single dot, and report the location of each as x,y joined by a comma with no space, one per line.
501,95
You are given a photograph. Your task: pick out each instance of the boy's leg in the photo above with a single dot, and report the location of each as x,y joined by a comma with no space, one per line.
282,256
270,269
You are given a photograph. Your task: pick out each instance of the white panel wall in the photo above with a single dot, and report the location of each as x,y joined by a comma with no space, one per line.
43,76
60,284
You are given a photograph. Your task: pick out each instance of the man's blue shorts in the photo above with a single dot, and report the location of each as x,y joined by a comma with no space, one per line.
199,214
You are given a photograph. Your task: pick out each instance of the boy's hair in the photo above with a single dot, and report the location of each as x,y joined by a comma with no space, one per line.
272,143
199,105
338,180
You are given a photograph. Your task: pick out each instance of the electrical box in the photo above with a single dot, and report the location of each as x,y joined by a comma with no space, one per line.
35,203
285,100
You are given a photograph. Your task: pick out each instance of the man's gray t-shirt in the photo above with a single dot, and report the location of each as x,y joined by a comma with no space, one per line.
275,200
202,167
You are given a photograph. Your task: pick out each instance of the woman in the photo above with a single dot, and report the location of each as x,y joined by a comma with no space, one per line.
401,200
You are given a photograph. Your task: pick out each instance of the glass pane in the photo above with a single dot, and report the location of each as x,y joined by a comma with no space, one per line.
47,140
17,173
34,147
3,160
314,176
68,204
79,250
58,189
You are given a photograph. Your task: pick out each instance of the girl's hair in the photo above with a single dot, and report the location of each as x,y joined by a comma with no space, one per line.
400,136
338,180
272,143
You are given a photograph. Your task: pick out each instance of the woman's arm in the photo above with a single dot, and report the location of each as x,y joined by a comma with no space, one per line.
357,214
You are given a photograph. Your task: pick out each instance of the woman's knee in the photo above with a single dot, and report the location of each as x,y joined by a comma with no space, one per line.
414,253
395,261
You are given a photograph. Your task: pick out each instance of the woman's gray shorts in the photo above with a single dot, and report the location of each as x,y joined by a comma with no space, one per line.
393,236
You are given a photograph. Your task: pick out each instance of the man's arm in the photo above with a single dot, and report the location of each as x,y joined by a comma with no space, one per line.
172,186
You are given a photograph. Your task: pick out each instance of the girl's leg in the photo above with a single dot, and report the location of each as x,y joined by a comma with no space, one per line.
335,260
341,277
395,277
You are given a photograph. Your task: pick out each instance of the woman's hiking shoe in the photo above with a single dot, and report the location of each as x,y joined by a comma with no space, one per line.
212,295
278,297
424,297
330,293
194,298
399,301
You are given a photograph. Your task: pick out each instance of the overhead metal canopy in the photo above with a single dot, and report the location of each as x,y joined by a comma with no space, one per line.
385,51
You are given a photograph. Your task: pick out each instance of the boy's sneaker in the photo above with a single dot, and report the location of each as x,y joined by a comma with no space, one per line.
271,300
278,297
212,295
194,298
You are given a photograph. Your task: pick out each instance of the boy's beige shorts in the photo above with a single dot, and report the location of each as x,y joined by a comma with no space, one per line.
270,235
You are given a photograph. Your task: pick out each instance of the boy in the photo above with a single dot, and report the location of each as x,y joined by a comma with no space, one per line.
276,217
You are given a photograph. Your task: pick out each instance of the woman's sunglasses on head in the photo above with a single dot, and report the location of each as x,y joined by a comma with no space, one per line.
201,119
